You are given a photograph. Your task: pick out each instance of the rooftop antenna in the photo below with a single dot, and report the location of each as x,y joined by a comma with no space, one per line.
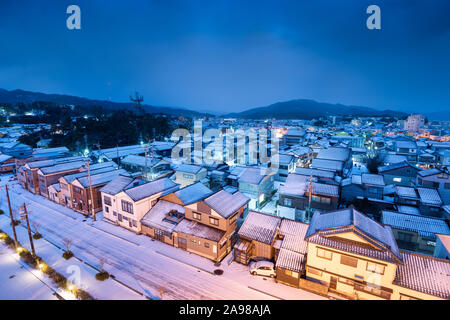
137,99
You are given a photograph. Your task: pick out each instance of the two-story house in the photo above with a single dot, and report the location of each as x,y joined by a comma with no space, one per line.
126,200
50,175
186,174
437,179
354,255
400,173
364,185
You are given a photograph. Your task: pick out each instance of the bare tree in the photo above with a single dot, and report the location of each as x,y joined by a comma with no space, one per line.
67,243
36,226
101,263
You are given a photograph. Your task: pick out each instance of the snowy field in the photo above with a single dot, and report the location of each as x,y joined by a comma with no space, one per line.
150,268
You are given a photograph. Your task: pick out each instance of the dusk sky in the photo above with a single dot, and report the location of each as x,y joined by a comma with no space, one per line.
231,55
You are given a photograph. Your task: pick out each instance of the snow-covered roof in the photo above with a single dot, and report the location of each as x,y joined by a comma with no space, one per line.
4,157
145,190
424,226
429,172
199,230
325,164
373,179
406,144
395,166
294,235
408,210
294,185
117,185
381,237
424,274
290,260
100,178
259,227
226,204
193,193
156,216
50,150
189,168
429,196
406,192
334,153
252,175
315,172
62,167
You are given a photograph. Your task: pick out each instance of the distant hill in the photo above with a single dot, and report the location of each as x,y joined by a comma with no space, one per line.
310,109
15,96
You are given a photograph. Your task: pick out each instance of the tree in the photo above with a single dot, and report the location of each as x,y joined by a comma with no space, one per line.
374,162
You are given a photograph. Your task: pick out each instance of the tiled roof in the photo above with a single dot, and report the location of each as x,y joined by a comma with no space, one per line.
429,196
325,164
260,227
374,179
333,153
193,193
424,274
406,192
199,230
163,186
314,172
62,167
396,165
294,235
116,185
252,175
291,260
324,225
226,204
408,210
189,168
424,226
155,217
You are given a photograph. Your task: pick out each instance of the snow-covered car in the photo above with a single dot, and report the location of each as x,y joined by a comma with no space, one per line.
262,268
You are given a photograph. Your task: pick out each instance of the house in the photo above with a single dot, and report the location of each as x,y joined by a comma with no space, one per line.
27,175
118,153
7,163
437,179
364,185
300,193
334,159
16,149
442,249
286,164
407,149
197,221
353,255
415,232
430,202
290,252
294,136
256,237
126,200
86,195
186,174
210,224
51,174
321,176
400,173
152,168
257,184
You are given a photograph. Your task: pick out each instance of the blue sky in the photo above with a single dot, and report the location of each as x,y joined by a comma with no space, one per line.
227,55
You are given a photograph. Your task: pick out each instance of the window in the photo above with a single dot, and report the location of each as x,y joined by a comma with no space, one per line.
214,221
349,261
287,202
188,176
114,213
120,217
375,267
197,216
107,200
134,223
314,271
206,245
290,273
325,254
107,209
403,236
397,179
127,206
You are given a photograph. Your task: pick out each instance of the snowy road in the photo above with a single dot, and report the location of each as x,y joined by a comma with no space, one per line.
139,266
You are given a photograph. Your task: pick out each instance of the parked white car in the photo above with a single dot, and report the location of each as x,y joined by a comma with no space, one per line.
262,268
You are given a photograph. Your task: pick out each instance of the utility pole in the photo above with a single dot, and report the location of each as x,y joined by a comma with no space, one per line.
12,218
137,99
145,168
29,230
91,203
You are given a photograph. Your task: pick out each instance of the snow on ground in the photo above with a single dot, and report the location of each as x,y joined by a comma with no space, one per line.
19,283
138,261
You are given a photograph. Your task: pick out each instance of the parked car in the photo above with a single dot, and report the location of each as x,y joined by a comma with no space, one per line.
262,268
